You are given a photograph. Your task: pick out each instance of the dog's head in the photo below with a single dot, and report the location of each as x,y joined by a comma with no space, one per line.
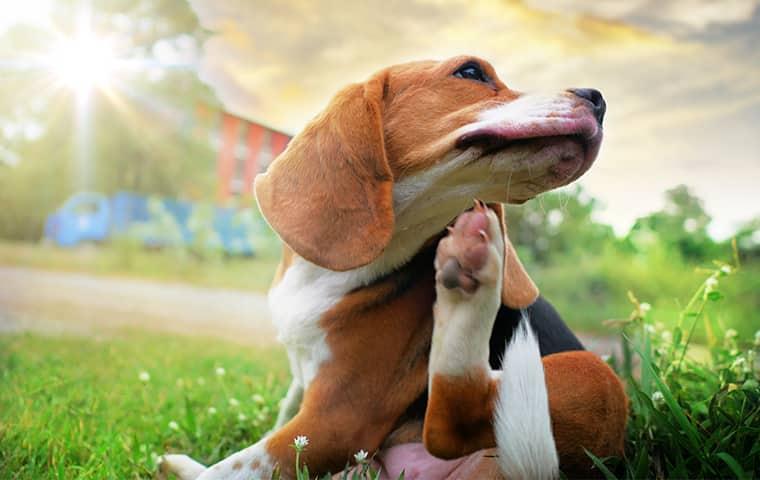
394,159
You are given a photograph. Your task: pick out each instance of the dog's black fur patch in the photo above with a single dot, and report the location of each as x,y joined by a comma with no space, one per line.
551,331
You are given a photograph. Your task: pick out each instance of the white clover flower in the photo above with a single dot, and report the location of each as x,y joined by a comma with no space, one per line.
144,376
201,381
220,371
242,417
234,402
173,426
726,269
300,442
360,456
658,399
211,410
730,334
644,307
257,398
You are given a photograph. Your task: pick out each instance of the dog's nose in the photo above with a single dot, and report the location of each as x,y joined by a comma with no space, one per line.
595,97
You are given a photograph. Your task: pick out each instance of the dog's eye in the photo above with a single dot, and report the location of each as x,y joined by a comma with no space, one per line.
471,71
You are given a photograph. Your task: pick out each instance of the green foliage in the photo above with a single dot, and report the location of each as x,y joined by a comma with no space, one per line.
695,410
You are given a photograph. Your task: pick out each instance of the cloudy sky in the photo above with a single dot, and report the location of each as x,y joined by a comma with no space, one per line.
681,78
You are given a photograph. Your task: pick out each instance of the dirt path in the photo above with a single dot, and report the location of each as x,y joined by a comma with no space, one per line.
62,302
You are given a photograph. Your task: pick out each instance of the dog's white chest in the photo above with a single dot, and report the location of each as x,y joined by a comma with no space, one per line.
297,304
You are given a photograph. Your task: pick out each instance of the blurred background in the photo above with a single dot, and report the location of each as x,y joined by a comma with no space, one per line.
131,133
133,256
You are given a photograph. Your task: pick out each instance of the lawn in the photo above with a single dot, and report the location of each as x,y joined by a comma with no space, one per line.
105,408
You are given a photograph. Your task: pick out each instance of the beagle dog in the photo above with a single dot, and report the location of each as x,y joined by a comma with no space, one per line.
394,325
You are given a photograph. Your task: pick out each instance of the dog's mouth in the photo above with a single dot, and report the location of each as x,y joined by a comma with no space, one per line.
562,149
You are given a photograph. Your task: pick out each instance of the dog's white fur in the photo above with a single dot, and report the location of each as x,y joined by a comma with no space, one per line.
522,425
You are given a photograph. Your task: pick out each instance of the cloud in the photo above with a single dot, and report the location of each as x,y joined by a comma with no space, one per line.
693,14
681,78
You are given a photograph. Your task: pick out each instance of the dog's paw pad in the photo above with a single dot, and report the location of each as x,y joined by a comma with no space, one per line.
465,254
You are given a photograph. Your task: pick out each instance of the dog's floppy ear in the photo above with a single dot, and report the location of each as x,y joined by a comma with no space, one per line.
329,195
518,290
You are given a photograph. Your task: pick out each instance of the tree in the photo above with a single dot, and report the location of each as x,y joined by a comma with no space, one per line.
557,224
681,224
143,134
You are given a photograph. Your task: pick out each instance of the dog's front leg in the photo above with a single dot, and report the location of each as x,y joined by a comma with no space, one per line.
536,409
462,389
290,404
252,463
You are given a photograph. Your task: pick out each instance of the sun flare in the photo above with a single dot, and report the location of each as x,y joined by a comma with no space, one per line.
83,63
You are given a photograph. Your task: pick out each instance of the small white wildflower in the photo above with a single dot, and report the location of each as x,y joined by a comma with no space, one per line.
234,402
300,442
173,426
649,328
667,336
201,381
211,411
242,417
220,371
257,398
644,307
711,283
730,334
144,376
740,365
360,456
726,269
658,399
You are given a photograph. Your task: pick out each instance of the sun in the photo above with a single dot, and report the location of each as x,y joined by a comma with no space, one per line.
83,63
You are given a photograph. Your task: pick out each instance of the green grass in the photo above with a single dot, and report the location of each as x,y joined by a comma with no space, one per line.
127,260
77,408
692,416
592,287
